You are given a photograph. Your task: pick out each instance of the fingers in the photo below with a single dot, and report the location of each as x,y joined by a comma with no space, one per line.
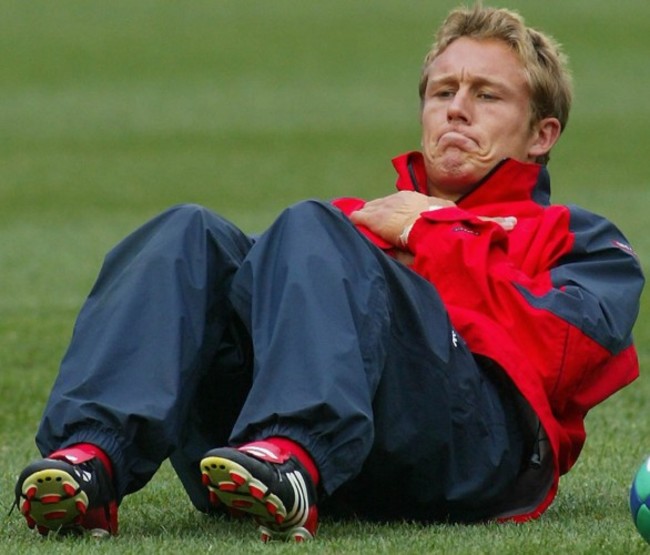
506,222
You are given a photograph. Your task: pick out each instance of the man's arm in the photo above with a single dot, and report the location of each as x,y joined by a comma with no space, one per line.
392,217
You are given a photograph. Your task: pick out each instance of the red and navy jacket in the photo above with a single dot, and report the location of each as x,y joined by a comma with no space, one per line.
551,302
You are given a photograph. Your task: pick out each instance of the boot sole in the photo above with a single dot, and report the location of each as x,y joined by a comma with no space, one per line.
232,485
52,500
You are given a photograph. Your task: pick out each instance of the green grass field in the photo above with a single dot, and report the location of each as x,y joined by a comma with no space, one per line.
111,111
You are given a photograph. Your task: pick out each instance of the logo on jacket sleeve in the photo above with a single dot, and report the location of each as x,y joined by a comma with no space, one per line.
463,229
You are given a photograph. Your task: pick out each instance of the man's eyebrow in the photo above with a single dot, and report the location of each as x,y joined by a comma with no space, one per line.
476,80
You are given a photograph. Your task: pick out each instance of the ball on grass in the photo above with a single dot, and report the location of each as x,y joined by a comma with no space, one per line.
640,500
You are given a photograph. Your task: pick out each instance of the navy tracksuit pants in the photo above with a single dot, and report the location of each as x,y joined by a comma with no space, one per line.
195,336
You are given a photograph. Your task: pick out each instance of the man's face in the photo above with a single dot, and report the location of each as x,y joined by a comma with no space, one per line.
476,111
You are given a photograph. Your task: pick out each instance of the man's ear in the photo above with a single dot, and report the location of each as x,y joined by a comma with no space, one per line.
545,134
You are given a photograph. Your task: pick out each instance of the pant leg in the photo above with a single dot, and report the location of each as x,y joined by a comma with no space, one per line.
356,359
313,298
143,340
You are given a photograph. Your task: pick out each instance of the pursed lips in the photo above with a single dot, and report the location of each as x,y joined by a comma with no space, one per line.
458,140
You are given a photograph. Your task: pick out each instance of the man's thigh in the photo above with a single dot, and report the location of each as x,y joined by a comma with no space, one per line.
448,439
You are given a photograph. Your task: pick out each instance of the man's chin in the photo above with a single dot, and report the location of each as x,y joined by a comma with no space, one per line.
457,176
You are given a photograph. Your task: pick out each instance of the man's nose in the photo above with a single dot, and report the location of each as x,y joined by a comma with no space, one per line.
459,108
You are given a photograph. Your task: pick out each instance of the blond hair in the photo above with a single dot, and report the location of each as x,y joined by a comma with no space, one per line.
545,65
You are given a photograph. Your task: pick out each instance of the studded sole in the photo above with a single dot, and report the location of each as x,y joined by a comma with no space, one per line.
235,487
52,500
232,485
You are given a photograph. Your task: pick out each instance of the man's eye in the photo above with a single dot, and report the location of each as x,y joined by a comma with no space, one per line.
486,95
444,93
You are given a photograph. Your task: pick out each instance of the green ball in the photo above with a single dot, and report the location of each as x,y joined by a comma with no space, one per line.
640,500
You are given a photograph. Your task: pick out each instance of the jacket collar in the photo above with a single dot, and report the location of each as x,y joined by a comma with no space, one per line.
509,181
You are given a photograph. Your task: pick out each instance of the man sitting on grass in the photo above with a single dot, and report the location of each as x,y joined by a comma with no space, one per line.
428,355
